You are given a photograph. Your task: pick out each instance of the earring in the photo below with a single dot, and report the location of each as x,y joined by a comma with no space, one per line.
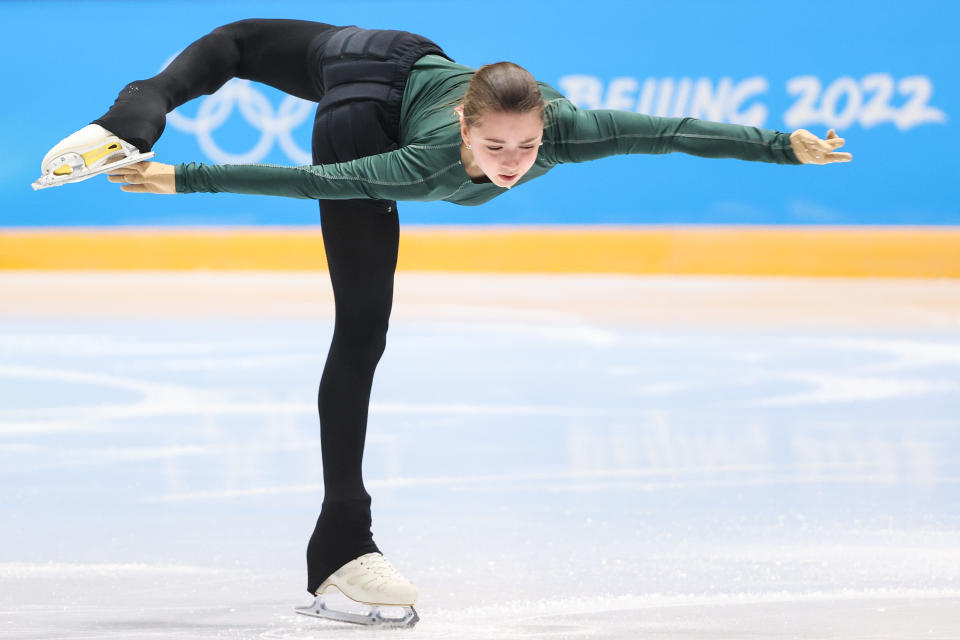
469,147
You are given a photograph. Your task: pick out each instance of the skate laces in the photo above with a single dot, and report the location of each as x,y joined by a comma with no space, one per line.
379,566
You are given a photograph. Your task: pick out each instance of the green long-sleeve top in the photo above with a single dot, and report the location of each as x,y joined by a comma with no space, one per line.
427,166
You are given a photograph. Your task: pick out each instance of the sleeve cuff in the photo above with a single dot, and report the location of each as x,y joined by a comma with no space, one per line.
788,151
180,179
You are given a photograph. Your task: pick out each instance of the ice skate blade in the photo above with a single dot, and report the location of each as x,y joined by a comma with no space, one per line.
372,619
48,179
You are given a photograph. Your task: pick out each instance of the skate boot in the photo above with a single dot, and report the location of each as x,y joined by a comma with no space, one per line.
369,583
86,153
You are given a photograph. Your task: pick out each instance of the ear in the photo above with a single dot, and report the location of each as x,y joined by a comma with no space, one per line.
463,123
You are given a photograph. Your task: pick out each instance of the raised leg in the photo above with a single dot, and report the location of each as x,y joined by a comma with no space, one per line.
273,52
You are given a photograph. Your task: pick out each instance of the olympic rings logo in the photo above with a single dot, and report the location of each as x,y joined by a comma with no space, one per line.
275,126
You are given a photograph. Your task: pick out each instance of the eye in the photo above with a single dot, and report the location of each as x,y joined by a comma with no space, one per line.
527,147
494,148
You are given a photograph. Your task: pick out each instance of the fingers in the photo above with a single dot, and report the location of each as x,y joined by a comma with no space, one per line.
135,188
136,167
131,177
144,177
839,157
835,142
132,173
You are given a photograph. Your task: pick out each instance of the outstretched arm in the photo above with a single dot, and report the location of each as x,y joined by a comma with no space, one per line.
583,135
403,174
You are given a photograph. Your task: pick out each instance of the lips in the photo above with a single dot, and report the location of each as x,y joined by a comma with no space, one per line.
508,177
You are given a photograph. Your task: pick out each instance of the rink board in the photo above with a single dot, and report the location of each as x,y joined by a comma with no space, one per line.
799,251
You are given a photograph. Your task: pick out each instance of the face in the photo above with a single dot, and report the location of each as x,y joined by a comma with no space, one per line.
504,145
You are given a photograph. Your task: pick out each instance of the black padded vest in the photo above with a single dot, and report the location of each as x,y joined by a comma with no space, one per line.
361,77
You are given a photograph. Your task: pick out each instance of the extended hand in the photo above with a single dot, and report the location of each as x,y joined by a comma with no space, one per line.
812,150
145,177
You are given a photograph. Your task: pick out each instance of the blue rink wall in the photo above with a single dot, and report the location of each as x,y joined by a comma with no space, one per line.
884,74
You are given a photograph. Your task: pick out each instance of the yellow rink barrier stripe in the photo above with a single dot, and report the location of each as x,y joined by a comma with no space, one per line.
729,250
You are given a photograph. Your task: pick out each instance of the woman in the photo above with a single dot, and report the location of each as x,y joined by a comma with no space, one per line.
396,120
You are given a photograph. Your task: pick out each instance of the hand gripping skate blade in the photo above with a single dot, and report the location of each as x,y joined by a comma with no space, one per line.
374,618
51,179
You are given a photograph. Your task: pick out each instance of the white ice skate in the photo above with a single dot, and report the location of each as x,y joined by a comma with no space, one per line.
370,582
91,151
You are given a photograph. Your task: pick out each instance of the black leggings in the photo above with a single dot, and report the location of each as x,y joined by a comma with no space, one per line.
360,238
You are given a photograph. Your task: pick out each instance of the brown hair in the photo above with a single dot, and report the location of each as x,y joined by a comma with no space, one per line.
502,87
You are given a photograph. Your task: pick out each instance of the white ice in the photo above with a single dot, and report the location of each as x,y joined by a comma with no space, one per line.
549,456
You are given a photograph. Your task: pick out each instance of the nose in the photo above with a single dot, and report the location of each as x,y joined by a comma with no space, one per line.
511,161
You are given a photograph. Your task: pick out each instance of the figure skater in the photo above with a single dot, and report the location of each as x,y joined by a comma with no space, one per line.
396,119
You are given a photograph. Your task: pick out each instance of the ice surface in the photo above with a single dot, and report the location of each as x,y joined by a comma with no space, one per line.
541,467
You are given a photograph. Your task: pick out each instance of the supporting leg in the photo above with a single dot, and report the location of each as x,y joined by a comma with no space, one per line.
361,239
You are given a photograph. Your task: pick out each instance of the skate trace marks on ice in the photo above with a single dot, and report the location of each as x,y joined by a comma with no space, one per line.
535,480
